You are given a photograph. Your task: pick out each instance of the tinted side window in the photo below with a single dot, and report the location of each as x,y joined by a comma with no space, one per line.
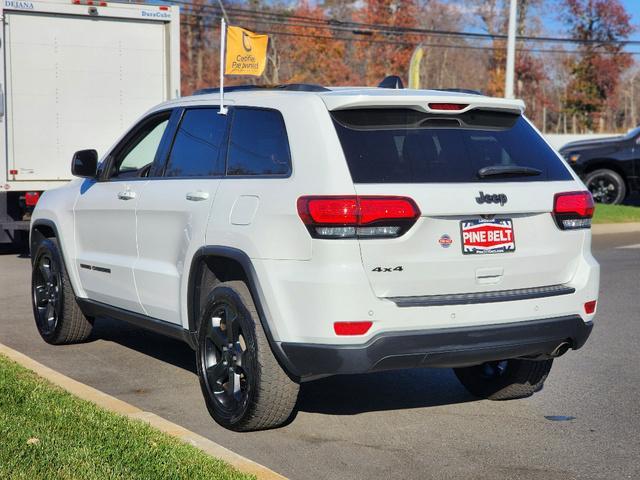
196,150
258,144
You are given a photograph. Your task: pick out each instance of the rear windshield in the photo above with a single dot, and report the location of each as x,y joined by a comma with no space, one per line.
408,146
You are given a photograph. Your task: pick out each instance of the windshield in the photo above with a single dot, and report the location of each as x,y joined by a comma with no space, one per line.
408,146
632,133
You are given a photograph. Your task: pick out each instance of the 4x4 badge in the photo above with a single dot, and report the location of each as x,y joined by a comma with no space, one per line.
500,198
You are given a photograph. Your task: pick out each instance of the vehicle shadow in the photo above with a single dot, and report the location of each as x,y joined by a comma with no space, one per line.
391,390
338,395
165,349
21,251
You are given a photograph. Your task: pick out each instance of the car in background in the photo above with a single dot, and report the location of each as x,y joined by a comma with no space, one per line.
609,167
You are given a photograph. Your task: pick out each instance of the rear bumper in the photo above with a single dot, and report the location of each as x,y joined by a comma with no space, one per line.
450,347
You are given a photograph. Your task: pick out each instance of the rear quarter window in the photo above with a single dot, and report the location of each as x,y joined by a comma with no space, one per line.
408,146
258,144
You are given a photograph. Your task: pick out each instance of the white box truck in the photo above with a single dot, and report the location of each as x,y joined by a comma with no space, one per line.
74,74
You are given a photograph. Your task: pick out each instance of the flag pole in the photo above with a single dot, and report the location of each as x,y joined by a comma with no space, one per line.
223,41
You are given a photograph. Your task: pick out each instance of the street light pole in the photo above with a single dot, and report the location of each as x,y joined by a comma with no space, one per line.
511,51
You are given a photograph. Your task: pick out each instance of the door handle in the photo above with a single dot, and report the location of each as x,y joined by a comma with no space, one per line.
197,196
126,195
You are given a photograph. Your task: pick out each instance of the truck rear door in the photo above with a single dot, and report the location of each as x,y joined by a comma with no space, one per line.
76,82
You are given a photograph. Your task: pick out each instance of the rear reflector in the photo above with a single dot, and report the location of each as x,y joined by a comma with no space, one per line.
573,210
351,328
357,216
447,106
590,307
13,172
31,198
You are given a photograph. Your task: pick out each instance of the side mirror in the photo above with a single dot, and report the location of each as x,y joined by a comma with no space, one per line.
85,163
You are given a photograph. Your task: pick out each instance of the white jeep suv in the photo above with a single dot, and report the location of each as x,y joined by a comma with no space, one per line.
317,231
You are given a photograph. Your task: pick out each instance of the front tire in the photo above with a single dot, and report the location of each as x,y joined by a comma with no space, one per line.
242,382
58,317
606,186
505,379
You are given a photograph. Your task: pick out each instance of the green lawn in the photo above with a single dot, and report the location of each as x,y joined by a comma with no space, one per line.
46,432
616,214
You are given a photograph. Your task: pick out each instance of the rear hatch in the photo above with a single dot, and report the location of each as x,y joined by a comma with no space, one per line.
484,182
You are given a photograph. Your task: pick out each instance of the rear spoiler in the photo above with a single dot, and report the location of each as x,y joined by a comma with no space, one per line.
416,100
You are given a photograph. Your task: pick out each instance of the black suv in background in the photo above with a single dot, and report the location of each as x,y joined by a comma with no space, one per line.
610,167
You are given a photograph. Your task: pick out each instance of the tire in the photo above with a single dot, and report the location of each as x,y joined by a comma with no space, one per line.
57,315
243,385
506,379
606,186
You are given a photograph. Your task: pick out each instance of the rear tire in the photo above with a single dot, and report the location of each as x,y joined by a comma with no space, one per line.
506,379
58,317
606,186
244,386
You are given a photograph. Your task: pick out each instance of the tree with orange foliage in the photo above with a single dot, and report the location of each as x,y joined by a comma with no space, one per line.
313,55
382,55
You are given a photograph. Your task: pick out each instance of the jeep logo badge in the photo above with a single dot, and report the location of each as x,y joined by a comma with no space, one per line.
500,198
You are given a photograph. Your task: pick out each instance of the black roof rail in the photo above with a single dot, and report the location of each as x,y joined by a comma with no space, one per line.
392,81
290,87
459,90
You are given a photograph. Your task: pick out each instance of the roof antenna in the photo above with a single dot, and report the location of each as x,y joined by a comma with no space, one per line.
392,81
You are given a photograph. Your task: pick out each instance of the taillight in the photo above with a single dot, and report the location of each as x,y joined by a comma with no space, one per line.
573,210
357,216
31,198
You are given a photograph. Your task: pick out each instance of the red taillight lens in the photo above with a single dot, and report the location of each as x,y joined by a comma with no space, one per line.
357,216
351,328
447,106
339,211
573,210
590,307
373,209
31,198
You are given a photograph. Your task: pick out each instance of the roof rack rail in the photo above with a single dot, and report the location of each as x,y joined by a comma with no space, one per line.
459,90
391,81
290,87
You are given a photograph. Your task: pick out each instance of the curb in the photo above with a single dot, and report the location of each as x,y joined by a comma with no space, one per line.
613,228
118,406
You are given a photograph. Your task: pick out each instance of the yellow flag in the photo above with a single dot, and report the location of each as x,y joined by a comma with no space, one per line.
246,52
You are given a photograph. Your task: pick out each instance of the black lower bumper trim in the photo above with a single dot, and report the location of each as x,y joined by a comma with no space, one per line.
451,347
483,297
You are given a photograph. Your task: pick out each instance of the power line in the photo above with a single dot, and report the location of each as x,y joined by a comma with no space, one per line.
287,19
393,42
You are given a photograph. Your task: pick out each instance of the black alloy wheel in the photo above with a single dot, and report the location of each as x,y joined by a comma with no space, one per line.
47,293
243,385
606,186
225,358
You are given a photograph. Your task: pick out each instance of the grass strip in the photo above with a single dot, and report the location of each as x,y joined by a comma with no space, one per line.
45,432
616,214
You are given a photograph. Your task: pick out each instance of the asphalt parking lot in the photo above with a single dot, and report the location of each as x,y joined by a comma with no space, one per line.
418,424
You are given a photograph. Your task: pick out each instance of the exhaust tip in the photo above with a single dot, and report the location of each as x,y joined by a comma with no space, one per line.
560,349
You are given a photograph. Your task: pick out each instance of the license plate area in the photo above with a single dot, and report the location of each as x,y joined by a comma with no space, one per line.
482,237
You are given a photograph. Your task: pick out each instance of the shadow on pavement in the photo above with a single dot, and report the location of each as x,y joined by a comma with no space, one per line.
392,390
151,344
339,395
11,249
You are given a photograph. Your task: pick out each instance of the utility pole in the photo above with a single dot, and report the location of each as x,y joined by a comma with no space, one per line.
511,50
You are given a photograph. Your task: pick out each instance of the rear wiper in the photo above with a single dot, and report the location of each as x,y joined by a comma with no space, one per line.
508,171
